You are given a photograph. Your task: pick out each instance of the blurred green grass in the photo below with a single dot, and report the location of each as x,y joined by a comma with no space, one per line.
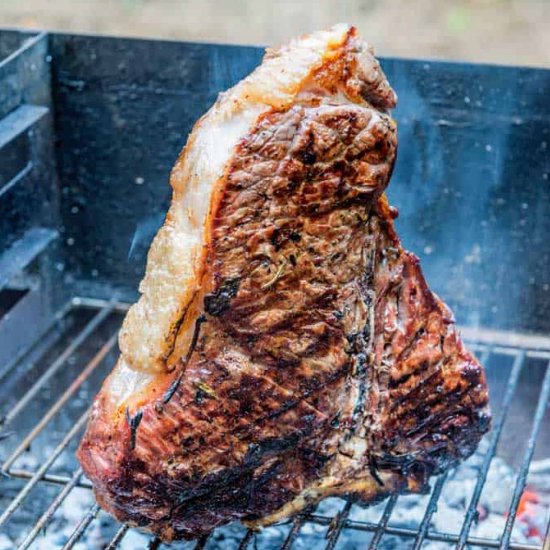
499,31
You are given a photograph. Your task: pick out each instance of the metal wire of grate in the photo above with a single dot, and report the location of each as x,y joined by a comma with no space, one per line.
42,475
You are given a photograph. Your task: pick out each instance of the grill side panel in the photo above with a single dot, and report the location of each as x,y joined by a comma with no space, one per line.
471,179
29,202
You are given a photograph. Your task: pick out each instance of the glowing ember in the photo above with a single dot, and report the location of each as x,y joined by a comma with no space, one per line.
531,513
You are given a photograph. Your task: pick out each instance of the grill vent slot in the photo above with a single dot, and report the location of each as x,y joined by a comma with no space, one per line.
8,298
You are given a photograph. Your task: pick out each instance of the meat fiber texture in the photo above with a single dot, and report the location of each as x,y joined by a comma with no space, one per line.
285,347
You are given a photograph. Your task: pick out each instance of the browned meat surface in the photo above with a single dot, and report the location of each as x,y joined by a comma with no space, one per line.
309,357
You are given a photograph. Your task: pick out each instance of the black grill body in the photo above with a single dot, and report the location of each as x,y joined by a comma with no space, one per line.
89,129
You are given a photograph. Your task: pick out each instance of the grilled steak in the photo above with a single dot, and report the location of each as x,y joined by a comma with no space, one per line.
285,347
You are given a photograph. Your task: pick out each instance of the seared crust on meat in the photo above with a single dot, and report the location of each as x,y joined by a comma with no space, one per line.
304,355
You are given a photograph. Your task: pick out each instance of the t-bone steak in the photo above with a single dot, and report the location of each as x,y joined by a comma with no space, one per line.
285,347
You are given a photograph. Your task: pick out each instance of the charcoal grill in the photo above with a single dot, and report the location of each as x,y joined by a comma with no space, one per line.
89,128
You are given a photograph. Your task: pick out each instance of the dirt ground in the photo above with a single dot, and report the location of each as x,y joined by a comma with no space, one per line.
499,31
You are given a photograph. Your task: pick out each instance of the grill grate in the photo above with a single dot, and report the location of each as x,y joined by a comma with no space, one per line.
98,331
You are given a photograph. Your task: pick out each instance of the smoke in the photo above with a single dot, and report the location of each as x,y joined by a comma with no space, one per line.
143,235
